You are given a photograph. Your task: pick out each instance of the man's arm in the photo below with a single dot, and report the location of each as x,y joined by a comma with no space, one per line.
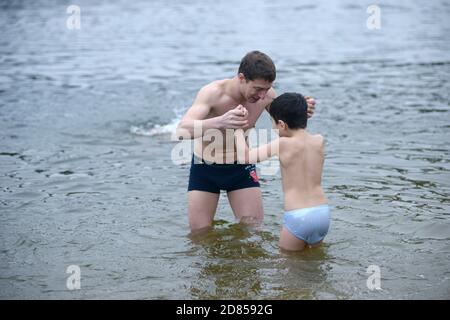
196,114
271,95
195,117
264,152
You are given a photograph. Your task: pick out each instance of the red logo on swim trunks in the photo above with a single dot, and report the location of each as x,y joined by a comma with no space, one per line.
254,176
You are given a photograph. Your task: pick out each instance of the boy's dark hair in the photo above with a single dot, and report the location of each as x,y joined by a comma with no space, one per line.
291,108
257,65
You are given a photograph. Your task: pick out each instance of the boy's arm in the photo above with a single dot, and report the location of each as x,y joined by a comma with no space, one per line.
264,152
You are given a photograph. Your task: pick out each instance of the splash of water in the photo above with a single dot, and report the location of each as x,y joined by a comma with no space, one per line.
155,130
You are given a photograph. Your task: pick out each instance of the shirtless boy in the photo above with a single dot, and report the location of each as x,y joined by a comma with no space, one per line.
301,156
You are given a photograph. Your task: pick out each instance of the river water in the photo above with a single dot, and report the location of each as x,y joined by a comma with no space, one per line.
86,174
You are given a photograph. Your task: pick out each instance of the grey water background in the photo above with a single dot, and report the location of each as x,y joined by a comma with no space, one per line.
86,175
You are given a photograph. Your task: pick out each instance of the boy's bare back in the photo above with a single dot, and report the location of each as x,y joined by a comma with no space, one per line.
301,161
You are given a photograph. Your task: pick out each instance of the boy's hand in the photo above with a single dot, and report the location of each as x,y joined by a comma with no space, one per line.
311,105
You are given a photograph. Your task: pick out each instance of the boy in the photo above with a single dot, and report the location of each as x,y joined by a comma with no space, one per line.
301,156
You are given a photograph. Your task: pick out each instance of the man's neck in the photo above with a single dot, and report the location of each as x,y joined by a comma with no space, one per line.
233,90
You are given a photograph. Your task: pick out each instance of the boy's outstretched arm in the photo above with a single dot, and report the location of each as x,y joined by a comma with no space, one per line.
264,152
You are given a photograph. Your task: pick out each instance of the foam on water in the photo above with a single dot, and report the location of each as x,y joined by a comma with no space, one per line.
155,130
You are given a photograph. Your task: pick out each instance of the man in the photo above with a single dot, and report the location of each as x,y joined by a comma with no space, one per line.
218,105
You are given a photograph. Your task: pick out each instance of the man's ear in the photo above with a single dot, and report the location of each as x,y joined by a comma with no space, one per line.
282,124
241,76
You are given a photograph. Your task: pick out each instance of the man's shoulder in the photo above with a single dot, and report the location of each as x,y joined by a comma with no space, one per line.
213,90
216,87
271,93
270,96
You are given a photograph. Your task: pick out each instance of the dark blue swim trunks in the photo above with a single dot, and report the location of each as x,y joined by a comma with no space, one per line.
213,177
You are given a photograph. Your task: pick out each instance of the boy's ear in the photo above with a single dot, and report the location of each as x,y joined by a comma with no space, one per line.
282,124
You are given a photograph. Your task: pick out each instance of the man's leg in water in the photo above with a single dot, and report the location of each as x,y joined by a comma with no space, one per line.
201,209
247,205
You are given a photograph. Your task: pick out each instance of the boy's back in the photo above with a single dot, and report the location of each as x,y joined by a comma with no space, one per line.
301,159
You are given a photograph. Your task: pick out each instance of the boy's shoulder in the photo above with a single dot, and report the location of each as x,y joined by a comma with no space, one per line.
284,142
317,140
318,137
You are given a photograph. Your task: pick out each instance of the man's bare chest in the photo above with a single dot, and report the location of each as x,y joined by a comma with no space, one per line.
254,111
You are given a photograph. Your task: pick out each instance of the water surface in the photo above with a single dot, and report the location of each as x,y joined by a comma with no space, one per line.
86,177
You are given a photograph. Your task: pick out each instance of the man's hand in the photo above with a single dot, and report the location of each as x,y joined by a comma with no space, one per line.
235,118
311,105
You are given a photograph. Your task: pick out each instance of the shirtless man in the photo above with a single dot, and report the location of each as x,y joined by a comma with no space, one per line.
219,105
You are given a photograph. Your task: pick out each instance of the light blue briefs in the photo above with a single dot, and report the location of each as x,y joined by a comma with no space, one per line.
308,224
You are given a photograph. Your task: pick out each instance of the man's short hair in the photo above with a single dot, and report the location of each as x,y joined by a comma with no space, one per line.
257,65
290,108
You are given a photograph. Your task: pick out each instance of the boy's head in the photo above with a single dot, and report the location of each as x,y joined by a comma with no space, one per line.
289,111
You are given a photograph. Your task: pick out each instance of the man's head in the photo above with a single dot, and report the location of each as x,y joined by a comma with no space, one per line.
288,111
256,74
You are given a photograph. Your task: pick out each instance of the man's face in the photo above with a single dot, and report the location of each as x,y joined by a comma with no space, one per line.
255,90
